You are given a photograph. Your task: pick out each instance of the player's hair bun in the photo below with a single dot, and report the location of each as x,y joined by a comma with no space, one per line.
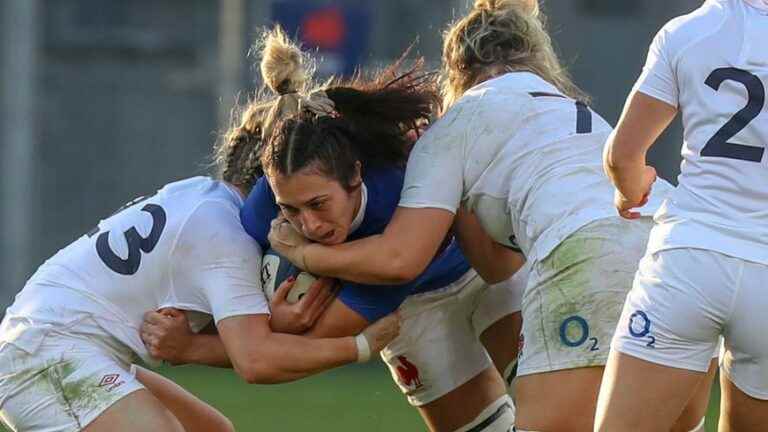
528,7
283,65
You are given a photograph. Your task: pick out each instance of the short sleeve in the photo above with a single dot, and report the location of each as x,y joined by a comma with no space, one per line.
434,177
258,211
216,264
658,78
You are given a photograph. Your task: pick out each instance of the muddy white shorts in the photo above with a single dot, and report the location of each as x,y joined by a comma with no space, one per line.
574,296
439,346
684,299
65,384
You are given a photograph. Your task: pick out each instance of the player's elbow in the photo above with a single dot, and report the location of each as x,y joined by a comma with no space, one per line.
262,365
621,150
403,270
262,373
495,275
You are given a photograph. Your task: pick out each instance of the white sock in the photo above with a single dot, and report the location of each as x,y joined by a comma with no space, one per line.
499,416
509,376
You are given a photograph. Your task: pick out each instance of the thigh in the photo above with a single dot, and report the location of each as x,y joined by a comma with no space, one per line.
558,401
65,385
140,410
642,396
497,320
696,409
501,340
740,411
194,414
745,357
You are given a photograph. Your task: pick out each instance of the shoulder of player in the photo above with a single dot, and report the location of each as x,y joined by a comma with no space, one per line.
492,101
212,220
384,185
684,31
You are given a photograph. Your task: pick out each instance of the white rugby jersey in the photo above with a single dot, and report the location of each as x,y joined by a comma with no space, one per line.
526,159
713,65
183,247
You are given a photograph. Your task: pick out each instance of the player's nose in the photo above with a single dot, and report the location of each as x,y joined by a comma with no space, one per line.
311,225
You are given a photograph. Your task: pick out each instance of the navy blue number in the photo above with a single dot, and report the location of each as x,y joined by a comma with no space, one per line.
718,145
136,243
583,114
583,118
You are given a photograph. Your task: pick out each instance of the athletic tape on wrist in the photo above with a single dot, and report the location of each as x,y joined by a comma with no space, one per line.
363,349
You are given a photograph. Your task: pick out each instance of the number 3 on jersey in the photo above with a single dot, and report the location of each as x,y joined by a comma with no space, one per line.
718,145
136,243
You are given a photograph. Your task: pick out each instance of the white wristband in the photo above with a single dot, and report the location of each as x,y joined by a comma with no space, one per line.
363,349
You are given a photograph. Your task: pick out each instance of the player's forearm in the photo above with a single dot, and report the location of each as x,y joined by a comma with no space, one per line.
644,118
206,349
281,357
624,164
397,256
372,260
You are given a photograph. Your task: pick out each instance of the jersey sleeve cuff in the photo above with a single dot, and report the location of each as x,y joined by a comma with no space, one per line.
656,94
427,205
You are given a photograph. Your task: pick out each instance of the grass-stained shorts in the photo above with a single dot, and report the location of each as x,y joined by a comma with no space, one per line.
574,296
65,384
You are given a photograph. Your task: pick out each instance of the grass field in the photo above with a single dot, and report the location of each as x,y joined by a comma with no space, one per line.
353,398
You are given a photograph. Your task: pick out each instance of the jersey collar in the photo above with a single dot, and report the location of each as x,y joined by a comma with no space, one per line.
358,220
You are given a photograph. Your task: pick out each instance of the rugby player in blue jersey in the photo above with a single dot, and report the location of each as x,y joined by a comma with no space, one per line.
330,163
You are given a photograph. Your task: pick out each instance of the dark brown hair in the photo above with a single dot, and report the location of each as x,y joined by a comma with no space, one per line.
330,128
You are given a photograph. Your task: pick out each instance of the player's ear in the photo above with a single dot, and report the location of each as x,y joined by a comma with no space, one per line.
357,178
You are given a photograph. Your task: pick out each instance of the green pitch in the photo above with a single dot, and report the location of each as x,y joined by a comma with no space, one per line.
353,398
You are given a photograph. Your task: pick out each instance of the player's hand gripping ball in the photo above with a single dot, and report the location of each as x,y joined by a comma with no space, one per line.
275,269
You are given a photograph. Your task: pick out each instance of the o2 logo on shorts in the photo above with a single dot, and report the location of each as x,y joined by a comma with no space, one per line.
640,327
569,339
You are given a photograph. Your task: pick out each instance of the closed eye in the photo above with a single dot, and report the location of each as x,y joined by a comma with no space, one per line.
317,205
288,210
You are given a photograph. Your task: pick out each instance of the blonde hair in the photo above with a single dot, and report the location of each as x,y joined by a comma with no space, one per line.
286,71
508,34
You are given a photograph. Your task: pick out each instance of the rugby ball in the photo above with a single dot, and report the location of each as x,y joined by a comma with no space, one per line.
275,269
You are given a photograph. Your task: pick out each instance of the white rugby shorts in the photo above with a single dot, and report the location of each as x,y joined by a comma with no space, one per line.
684,299
574,296
64,385
439,346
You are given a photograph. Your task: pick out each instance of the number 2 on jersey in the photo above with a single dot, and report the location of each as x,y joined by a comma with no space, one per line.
718,145
136,243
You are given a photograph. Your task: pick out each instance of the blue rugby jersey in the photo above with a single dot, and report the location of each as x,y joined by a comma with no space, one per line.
370,301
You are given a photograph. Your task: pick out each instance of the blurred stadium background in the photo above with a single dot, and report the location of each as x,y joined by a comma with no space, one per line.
105,100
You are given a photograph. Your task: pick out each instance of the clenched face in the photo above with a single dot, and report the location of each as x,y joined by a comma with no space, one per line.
317,205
